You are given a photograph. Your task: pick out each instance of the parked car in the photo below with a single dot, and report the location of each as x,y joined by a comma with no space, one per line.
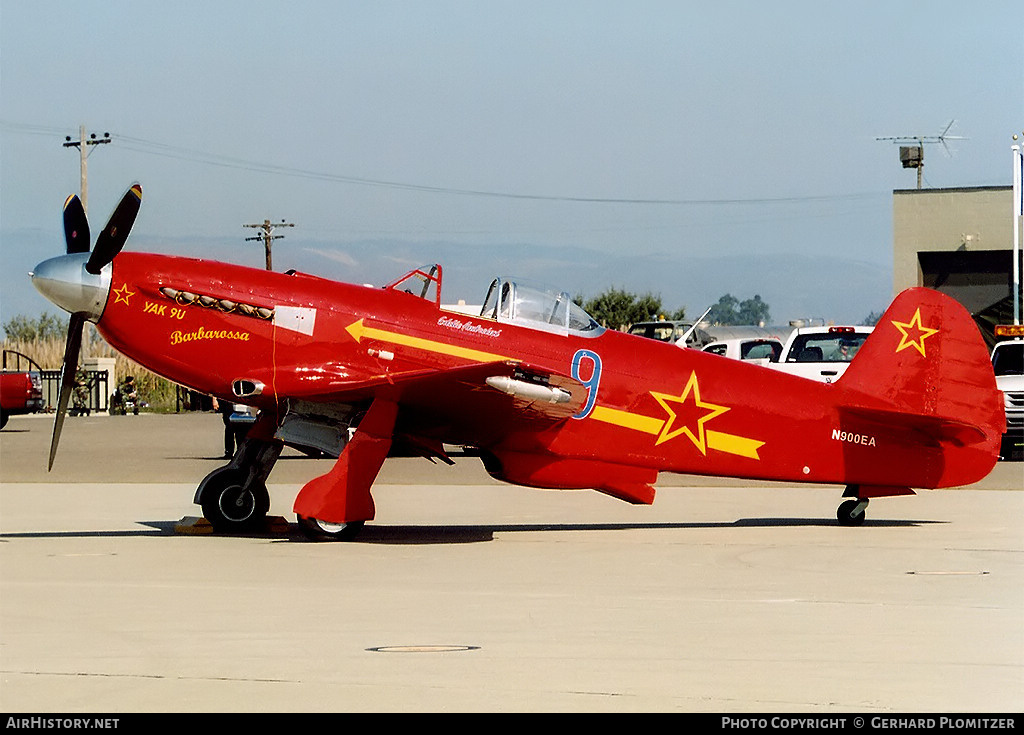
821,353
1008,365
762,347
762,350
667,330
20,393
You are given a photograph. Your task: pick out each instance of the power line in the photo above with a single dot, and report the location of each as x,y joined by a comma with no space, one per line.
168,151
228,162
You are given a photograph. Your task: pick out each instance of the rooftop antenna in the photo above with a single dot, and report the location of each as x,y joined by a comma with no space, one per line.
912,152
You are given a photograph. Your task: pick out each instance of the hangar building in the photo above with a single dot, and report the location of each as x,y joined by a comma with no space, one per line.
958,241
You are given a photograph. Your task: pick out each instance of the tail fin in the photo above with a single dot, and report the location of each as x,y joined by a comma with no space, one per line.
926,367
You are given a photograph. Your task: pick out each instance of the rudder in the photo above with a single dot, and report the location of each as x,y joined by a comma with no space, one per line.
926,357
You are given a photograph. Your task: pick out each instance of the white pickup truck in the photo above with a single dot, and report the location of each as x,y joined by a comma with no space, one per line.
1008,364
761,350
821,353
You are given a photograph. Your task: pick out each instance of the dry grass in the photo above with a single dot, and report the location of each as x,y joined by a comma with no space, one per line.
49,354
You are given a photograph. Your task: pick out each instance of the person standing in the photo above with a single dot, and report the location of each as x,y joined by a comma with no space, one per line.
225,409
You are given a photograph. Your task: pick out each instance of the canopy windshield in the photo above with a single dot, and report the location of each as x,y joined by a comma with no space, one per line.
536,307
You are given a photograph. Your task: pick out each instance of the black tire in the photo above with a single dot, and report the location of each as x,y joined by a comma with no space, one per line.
845,514
3,419
316,530
232,508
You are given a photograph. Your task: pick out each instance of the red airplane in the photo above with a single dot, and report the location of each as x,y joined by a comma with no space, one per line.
547,396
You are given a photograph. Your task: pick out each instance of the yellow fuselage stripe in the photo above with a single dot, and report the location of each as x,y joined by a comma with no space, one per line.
718,440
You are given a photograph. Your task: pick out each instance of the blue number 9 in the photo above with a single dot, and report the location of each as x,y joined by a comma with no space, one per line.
592,383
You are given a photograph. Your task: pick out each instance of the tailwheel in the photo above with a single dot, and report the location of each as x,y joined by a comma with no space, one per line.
852,512
318,530
232,507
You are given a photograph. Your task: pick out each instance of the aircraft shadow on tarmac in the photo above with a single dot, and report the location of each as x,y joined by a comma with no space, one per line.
464,534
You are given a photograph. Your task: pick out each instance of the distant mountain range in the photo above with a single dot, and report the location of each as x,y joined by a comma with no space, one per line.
795,287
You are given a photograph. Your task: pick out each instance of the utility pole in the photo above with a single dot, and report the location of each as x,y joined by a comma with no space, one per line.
1018,217
82,145
268,236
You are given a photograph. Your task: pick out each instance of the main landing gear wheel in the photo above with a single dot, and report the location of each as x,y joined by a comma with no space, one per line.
231,507
851,512
317,530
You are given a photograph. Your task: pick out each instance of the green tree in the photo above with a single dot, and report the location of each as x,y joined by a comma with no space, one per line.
27,329
617,308
730,311
754,311
871,319
724,311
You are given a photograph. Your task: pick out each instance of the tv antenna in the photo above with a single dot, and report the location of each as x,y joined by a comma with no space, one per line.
912,148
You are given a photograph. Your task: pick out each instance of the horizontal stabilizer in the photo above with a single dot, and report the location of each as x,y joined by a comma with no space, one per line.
930,427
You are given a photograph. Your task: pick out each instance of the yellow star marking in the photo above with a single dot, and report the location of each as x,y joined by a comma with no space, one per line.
710,411
122,294
921,333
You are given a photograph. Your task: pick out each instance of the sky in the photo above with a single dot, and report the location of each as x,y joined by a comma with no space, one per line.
559,133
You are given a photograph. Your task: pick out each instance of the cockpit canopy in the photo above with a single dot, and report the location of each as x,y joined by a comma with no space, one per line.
509,301
537,307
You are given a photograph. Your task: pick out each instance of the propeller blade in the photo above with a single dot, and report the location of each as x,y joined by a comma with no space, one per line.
114,235
67,378
76,225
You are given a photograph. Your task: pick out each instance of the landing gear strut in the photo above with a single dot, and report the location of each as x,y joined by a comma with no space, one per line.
334,506
852,512
234,498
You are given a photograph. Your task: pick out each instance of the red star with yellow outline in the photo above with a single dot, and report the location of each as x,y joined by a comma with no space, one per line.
687,414
122,294
920,332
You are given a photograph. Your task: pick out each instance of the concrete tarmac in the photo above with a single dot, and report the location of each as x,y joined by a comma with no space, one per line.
466,594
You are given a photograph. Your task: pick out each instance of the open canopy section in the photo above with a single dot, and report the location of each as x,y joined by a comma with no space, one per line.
537,307
424,282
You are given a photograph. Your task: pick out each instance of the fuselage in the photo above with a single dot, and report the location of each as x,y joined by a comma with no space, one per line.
210,326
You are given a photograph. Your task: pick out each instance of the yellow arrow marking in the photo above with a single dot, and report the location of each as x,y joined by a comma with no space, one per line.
359,331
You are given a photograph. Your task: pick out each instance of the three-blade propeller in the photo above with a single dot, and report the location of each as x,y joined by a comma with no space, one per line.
108,245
